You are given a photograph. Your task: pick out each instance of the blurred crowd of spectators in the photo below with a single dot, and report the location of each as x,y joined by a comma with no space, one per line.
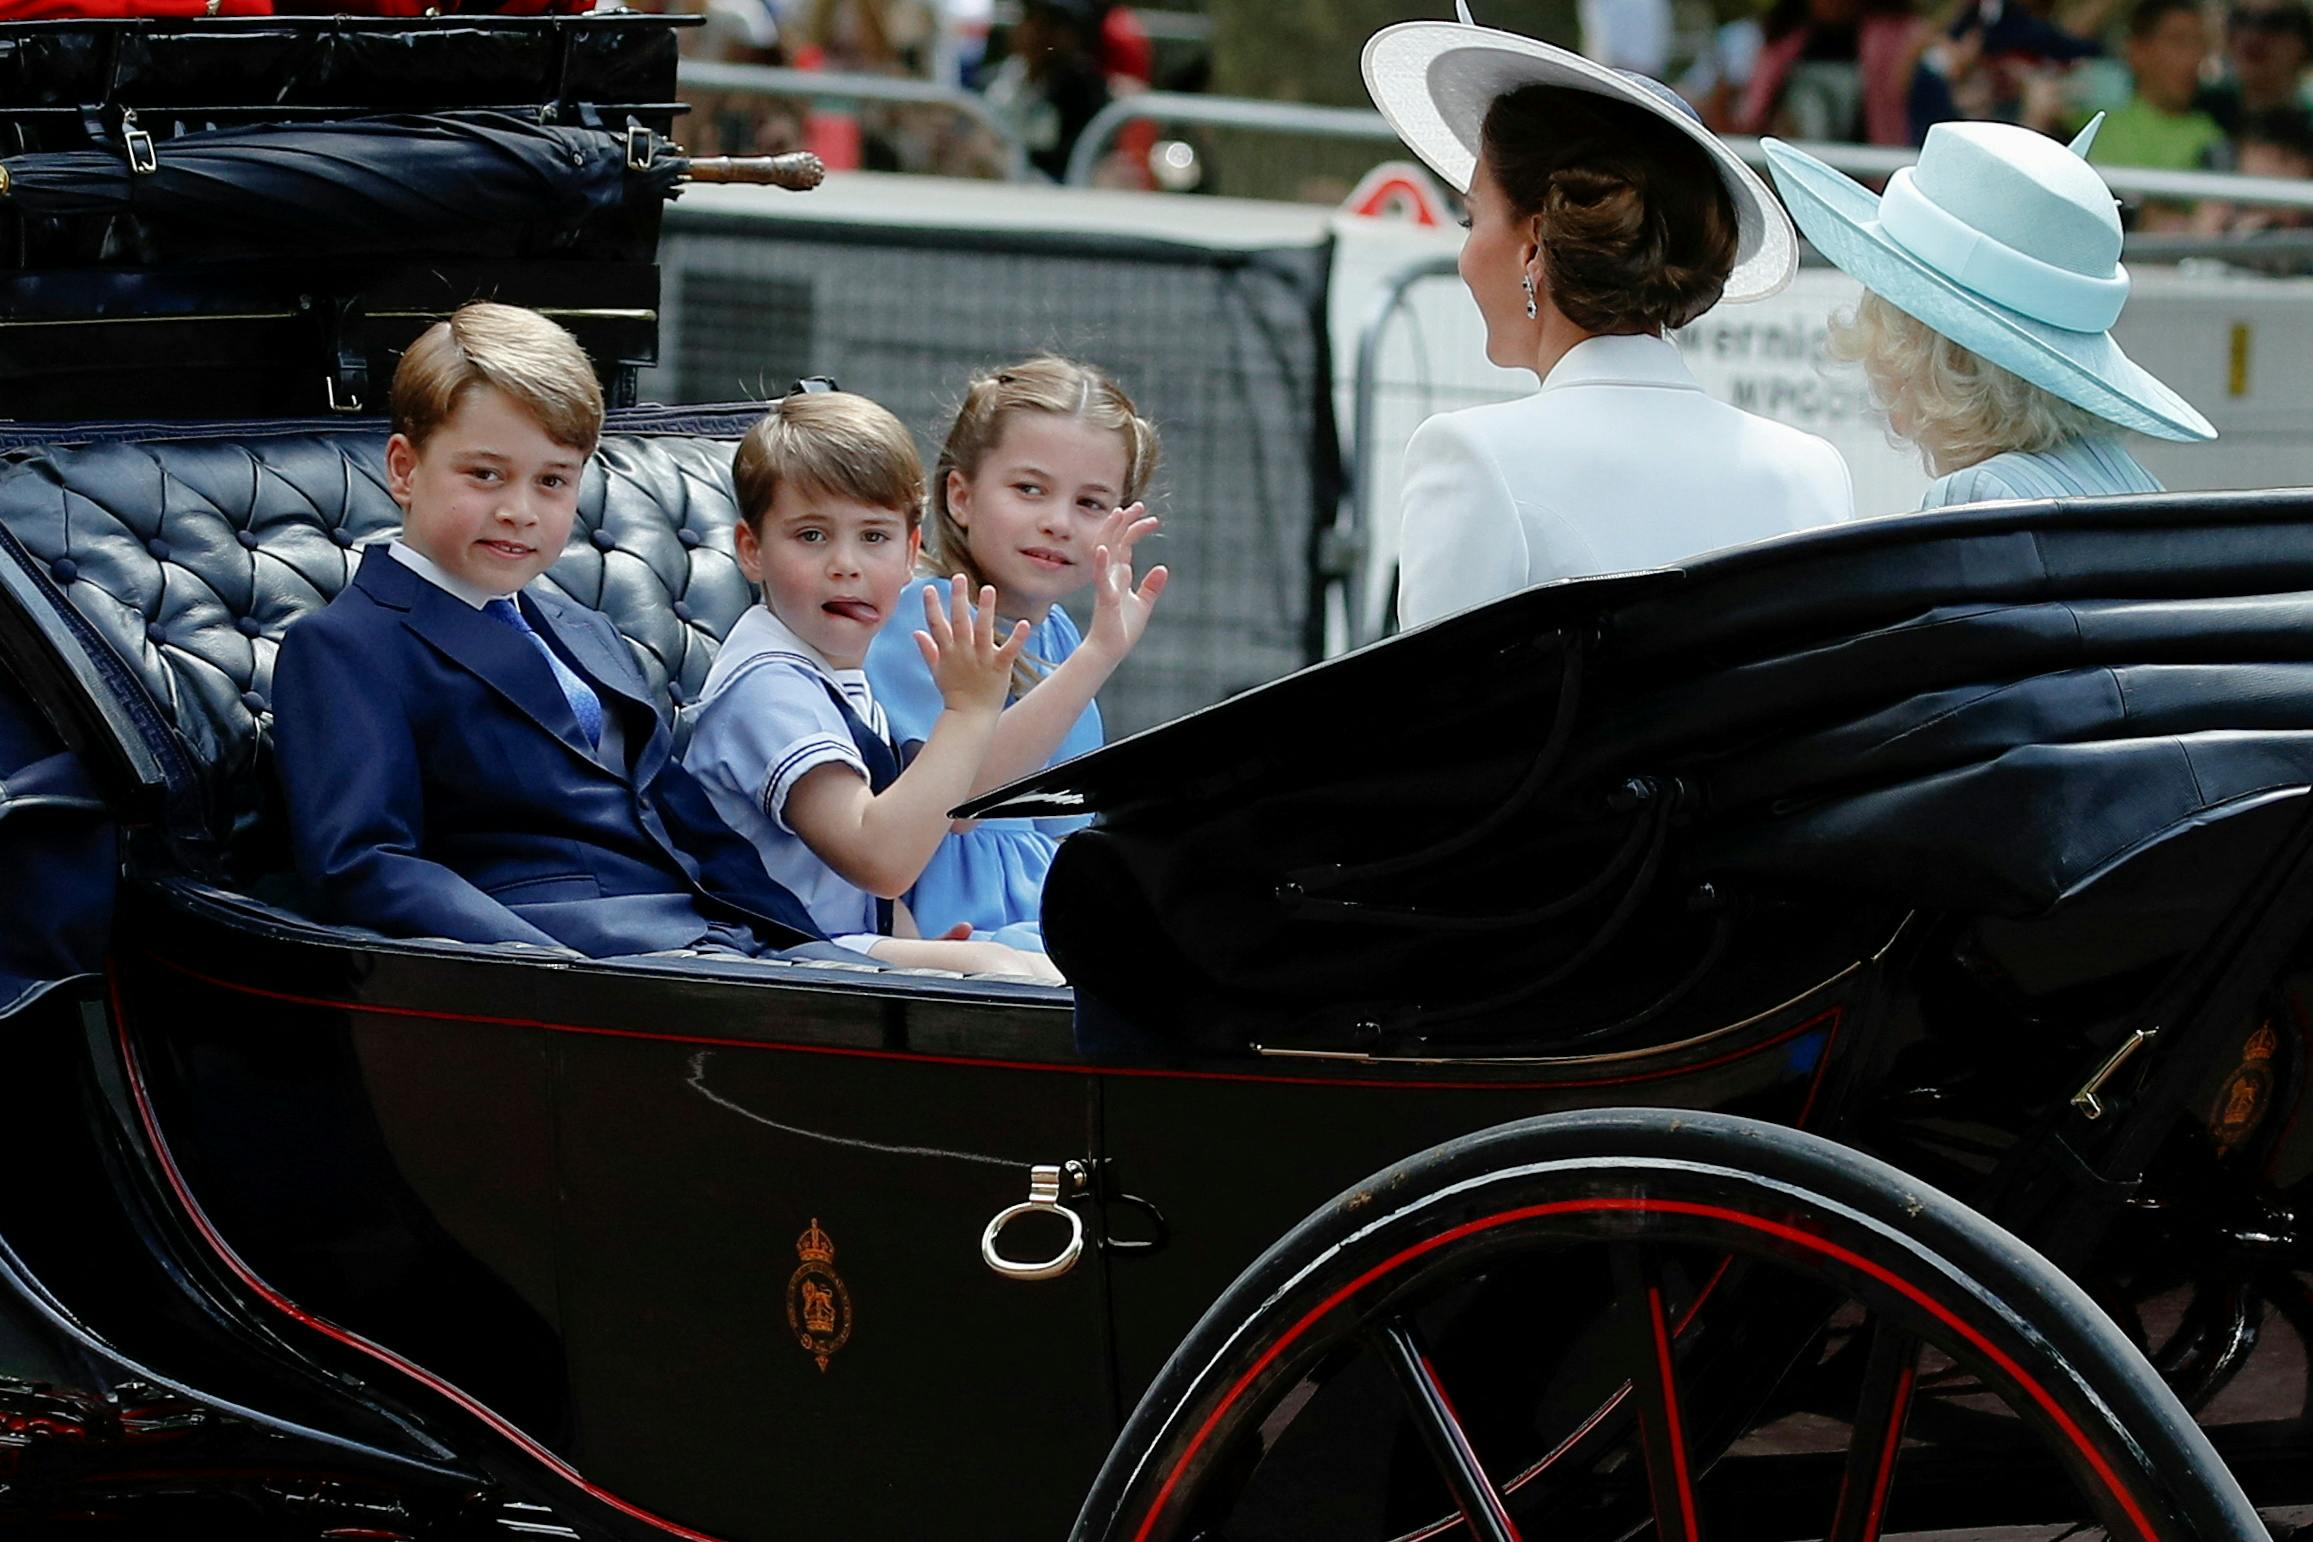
2183,86
1045,67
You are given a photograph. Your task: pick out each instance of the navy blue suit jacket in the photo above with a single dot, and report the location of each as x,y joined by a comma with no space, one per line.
438,785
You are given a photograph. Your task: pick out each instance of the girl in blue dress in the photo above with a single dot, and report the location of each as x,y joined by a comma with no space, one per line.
1037,494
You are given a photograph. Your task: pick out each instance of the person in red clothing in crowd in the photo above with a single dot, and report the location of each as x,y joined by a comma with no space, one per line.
62,10
1052,79
1130,60
1835,69
1125,50
105,10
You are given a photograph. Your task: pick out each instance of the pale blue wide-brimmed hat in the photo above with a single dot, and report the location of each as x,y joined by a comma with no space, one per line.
2004,241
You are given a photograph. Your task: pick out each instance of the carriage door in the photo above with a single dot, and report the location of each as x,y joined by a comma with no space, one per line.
779,1318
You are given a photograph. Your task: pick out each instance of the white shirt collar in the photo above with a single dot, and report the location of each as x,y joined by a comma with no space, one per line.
611,751
437,575
759,631
1641,359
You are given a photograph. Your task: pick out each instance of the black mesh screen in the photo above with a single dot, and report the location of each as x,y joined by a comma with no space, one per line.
1225,350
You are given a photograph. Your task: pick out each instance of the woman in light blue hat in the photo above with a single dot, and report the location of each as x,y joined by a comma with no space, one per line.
1992,277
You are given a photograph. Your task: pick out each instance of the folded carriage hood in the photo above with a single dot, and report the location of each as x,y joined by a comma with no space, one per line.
59,851
65,770
1982,709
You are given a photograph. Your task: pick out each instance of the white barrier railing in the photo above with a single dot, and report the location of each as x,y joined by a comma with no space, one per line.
764,80
1217,112
1357,123
1856,160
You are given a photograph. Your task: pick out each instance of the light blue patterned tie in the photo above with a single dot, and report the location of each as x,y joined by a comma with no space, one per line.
584,704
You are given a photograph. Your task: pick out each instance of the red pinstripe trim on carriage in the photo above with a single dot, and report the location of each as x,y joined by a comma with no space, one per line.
1831,1016
1791,1234
321,1325
1461,1438
1674,1434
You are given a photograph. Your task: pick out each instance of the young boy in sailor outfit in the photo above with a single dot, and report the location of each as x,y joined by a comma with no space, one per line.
788,741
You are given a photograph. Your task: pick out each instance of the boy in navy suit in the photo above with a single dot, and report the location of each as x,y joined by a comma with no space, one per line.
466,759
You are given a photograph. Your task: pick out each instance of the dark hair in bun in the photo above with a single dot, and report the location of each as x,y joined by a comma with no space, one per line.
1637,230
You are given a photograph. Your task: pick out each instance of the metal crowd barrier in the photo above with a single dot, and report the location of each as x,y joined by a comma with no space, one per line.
1217,112
1856,160
1357,123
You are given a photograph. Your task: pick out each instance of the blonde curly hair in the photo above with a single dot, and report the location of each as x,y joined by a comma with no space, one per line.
1048,384
1954,406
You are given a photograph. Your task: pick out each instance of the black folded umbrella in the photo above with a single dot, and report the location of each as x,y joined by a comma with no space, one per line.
440,182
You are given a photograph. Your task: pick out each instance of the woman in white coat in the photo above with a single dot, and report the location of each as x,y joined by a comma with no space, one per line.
1601,214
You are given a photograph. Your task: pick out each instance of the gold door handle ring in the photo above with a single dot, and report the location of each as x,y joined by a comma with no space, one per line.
1043,1199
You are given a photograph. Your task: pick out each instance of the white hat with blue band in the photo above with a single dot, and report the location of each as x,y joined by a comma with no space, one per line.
2004,241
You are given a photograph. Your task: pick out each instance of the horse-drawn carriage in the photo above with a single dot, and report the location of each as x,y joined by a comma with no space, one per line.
1586,1064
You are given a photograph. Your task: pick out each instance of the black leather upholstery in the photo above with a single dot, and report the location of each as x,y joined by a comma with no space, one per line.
192,556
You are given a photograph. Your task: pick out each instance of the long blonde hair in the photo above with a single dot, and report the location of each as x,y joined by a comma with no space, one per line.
1045,383
1957,407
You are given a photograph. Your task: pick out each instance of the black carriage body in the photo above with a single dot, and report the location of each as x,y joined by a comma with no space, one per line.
333,1234
346,1226
585,1199
553,1229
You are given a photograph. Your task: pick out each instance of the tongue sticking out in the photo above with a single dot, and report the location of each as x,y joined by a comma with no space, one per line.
854,610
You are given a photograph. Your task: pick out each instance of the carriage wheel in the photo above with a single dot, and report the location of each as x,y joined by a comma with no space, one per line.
1589,1324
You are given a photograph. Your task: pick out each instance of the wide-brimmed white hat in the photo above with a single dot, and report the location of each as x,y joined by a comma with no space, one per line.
2007,243
1435,80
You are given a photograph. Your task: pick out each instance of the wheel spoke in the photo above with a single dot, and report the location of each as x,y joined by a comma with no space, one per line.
1481,1504
1890,1374
1642,1319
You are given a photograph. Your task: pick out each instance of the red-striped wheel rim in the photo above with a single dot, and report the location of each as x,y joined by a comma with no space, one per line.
1644,1205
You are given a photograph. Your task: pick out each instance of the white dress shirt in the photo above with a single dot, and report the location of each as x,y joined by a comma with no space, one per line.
610,750
1620,462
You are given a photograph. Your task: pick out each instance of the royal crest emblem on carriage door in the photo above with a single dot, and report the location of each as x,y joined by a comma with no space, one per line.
818,1307
2241,1102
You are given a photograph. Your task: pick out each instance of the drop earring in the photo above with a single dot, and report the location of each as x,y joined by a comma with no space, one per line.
1526,280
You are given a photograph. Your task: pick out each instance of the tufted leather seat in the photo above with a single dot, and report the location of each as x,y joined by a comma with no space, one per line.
192,555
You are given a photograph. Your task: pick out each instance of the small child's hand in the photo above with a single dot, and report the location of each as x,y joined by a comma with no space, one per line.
1124,527
999,959
972,670
1120,612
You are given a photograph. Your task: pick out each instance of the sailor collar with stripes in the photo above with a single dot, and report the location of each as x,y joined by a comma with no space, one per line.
760,634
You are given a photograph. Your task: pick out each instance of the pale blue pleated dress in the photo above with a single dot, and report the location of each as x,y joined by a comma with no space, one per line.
991,876
2077,468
